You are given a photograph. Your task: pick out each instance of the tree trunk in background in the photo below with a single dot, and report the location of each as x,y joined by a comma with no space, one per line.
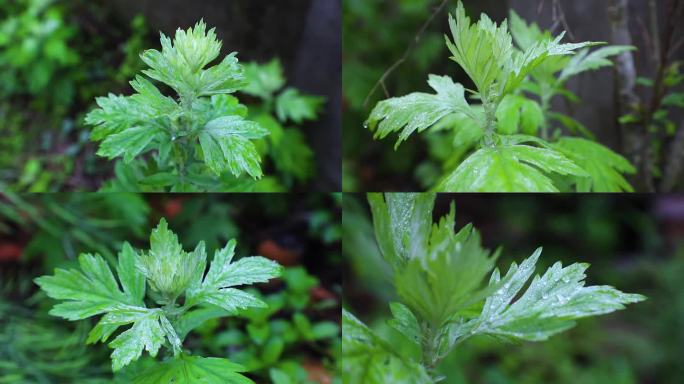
674,169
318,70
631,135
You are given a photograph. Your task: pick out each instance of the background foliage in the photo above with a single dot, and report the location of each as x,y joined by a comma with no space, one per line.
295,340
631,242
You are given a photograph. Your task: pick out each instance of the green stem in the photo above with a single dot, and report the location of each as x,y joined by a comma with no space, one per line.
430,351
179,159
490,123
545,106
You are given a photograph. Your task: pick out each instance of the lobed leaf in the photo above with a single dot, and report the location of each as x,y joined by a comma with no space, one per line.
88,292
417,112
263,80
510,168
604,167
292,105
548,306
128,143
194,369
226,145
402,224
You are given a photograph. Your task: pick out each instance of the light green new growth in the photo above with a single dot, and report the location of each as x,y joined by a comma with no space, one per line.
439,275
177,283
200,132
506,155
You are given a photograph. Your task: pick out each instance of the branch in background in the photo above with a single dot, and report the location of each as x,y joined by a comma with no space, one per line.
659,90
416,40
559,19
675,163
655,30
626,75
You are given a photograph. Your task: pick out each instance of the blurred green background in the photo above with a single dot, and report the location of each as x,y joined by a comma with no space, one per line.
295,340
635,243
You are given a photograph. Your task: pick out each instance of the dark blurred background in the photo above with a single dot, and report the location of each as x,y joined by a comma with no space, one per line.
635,243
95,51
377,33
297,336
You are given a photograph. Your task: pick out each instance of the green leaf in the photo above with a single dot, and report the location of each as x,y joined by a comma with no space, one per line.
548,306
128,143
418,111
571,124
168,268
366,359
128,346
180,64
585,61
194,369
675,99
132,280
517,113
402,224
405,322
525,35
263,80
292,155
115,114
485,51
226,146
215,288
448,278
510,168
603,166
91,291
292,105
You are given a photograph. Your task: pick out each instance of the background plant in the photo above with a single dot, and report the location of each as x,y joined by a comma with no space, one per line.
631,243
438,311
291,156
502,163
412,43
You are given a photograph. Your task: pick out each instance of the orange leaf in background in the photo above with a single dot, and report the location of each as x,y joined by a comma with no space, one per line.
274,251
317,372
173,207
10,251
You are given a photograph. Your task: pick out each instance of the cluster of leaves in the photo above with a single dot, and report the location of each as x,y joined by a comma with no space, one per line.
439,274
198,137
495,144
182,293
280,105
203,139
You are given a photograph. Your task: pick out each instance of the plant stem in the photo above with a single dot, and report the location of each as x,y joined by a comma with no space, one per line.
490,122
179,159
